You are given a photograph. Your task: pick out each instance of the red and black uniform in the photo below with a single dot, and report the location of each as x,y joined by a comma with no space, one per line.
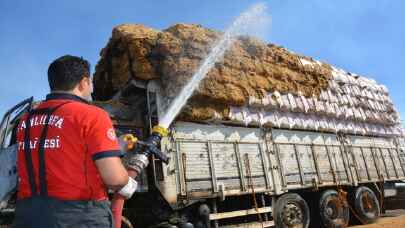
58,143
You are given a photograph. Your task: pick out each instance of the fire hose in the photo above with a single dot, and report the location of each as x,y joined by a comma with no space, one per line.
135,146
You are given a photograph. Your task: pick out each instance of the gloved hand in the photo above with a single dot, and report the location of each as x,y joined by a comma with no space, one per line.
150,147
137,159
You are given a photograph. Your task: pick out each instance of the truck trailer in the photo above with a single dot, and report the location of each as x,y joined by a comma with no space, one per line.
238,174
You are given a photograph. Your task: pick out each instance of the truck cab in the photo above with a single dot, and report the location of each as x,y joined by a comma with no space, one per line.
8,159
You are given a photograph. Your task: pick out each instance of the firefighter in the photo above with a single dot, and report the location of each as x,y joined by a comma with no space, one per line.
68,155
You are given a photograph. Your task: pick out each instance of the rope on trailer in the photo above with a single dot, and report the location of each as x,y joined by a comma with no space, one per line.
249,173
342,194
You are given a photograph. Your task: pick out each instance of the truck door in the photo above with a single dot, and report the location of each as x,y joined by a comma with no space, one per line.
8,150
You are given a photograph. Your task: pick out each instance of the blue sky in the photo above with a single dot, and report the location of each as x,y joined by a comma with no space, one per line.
363,36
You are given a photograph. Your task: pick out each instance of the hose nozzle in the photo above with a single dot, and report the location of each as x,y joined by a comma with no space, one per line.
150,146
163,132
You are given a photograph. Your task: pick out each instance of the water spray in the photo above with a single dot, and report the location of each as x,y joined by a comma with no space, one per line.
246,20
243,23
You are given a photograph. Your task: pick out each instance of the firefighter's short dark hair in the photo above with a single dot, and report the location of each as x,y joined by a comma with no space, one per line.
65,72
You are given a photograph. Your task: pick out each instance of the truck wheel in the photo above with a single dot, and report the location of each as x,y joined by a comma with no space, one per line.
334,211
291,211
366,205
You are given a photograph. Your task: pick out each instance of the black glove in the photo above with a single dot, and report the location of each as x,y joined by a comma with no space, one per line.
137,159
150,147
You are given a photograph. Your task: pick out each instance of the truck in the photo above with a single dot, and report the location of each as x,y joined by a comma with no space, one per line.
224,174
228,174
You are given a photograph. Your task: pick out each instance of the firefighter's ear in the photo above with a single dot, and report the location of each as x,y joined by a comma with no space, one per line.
81,84
85,88
84,84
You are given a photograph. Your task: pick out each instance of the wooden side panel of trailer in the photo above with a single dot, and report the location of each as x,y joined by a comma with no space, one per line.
310,159
401,153
376,159
221,160
216,160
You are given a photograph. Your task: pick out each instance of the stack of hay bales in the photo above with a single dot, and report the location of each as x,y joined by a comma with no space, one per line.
254,84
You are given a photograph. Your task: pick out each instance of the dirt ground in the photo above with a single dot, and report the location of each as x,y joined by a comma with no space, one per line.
391,219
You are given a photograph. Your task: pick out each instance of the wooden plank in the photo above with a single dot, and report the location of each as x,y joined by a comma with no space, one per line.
197,162
212,168
372,169
348,163
365,163
181,178
280,165
360,164
397,150
387,174
332,169
352,157
289,163
389,163
376,163
265,167
307,164
323,163
233,214
315,157
251,225
274,164
393,163
342,158
240,166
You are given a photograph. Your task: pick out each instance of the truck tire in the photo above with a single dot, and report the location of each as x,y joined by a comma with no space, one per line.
366,205
291,211
334,211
